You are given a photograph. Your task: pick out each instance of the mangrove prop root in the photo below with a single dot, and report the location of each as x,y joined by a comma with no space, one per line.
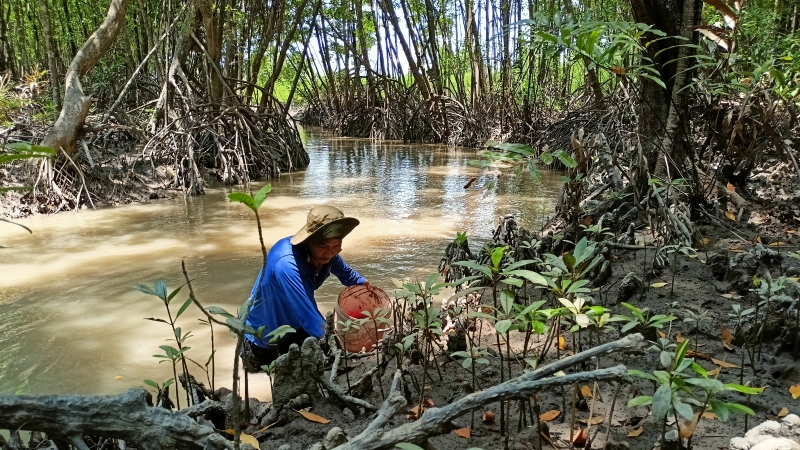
436,421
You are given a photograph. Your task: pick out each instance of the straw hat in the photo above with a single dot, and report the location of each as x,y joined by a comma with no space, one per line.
327,222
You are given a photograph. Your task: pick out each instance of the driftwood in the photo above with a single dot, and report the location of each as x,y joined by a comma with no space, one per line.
437,421
126,416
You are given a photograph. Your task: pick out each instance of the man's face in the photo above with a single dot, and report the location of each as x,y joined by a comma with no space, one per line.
324,250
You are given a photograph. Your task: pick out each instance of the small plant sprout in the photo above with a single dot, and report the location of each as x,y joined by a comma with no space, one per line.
471,358
173,354
697,319
642,320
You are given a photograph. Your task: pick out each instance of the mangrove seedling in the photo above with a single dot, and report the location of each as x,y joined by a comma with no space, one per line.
697,319
160,291
643,321
471,358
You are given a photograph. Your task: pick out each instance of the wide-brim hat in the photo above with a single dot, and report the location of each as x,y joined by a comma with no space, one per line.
326,222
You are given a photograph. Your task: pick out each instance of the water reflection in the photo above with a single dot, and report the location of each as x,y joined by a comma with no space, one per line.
71,322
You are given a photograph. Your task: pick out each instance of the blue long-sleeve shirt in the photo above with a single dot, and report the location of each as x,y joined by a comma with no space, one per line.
284,290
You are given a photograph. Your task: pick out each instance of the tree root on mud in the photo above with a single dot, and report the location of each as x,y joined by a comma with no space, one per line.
130,417
435,421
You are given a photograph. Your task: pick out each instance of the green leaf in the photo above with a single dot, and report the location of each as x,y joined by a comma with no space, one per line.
639,373
168,382
569,260
666,360
533,171
661,402
708,384
244,198
145,289
720,409
407,446
747,390
741,409
529,275
497,256
467,363
507,300
546,158
161,290
565,159
261,195
216,310
502,326
183,307
699,369
430,280
641,400
683,409
151,383
475,266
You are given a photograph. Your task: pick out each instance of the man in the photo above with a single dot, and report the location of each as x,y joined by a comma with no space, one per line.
284,290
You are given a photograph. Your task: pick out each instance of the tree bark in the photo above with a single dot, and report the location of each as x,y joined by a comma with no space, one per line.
52,59
64,133
126,416
670,17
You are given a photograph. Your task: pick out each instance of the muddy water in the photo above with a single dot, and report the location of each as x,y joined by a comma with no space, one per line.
71,322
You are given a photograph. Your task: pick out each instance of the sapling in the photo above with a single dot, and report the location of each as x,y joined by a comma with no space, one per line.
697,319
347,326
471,358
176,355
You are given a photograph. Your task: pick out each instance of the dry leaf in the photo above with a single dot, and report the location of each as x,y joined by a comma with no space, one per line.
267,427
658,285
247,439
795,391
488,417
737,250
594,420
636,432
586,221
757,240
709,415
705,241
586,391
427,403
724,364
313,417
550,415
661,334
730,296
463,432
727,337
679,338
617,70
687,427
795,279
791,231
775,244
783,412
469,183
495,428
694,256
580,438
692,353
730,215
731,188
561,344
713,373
118,377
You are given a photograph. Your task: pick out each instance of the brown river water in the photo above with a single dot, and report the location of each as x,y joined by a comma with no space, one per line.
71,322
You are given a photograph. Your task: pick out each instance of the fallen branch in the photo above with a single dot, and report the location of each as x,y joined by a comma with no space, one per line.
437,421
126,416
